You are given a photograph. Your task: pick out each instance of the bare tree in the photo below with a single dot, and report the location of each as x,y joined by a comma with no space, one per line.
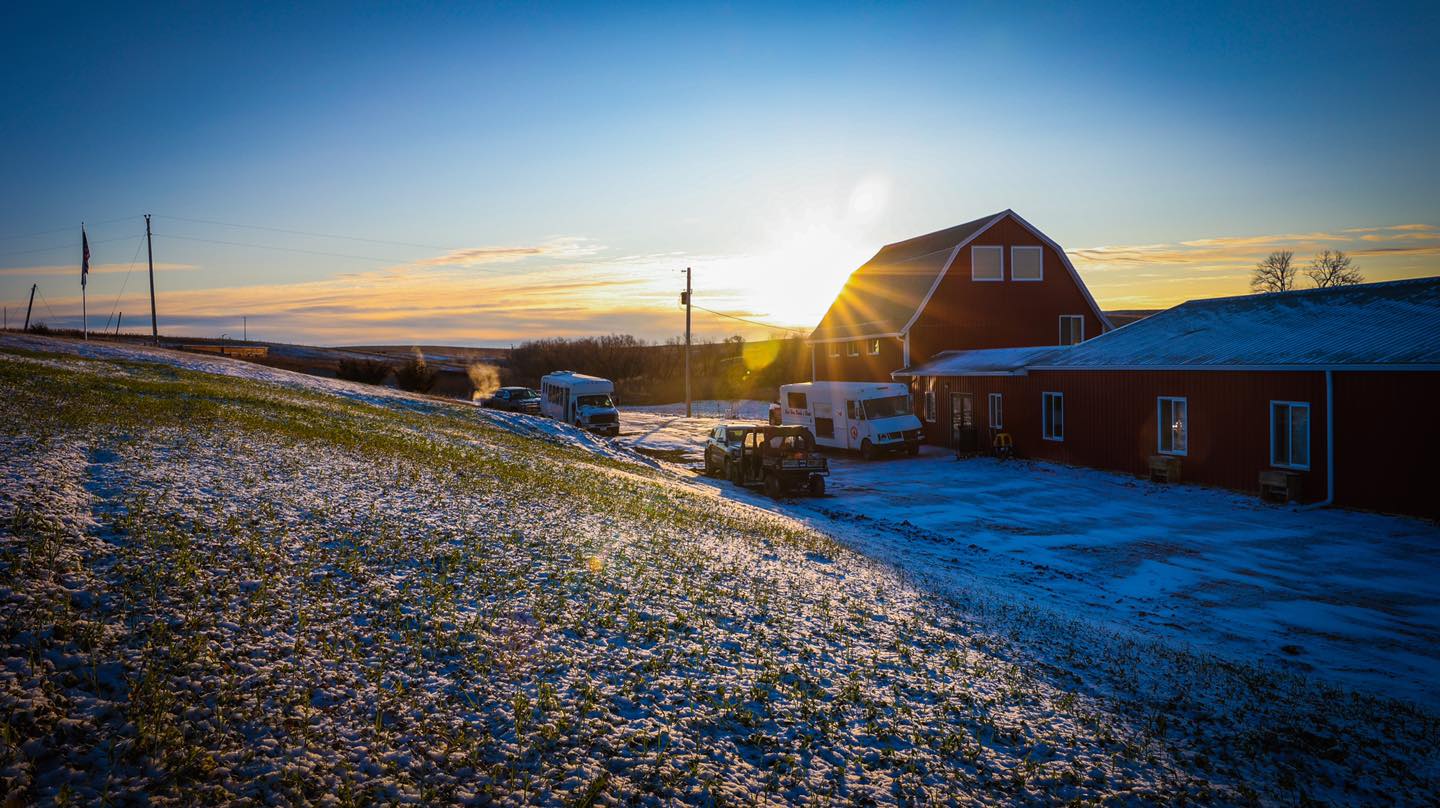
1333,269
1275,274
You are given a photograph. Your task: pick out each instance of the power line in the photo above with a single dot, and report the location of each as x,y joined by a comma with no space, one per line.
70,246
53,315
751,322
308,233
133,259
63,229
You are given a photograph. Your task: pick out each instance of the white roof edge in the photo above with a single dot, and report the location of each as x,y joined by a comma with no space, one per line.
847,339
1074,275
1412,368
945,270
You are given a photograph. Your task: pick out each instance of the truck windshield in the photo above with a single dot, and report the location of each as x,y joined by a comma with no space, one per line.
523,394
601,400
887,407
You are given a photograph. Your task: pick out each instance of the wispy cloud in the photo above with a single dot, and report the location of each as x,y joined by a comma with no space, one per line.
560,247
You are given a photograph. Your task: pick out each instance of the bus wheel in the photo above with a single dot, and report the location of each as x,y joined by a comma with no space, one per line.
817,485
867,449
773,486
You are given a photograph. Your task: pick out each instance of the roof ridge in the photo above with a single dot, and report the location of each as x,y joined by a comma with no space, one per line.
1298,292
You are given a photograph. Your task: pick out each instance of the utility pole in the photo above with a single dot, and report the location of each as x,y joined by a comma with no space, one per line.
245,329
30,306
686,298
117,323
150,257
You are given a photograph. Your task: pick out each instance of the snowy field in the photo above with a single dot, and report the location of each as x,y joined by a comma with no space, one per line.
1349,597
221,582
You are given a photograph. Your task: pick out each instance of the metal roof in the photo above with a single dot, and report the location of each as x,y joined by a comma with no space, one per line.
986,362
1383,325
885,292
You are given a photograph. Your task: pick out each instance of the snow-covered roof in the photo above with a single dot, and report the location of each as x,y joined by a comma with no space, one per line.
1384,325
989,362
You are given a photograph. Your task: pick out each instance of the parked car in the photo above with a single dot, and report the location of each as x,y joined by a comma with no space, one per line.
722,448
514,399
781,459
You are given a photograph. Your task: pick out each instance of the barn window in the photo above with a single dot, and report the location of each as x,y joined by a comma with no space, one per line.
930,406
1072,329
1027,264
1173,424
1052,415
1290,434
834,349
873,346
997,413
852,348
796,401
987,263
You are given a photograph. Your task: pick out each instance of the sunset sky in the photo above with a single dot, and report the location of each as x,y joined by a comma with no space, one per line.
520,171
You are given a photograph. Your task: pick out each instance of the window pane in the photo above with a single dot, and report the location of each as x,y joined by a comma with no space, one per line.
1059,417
1026,264
1300,436
1280,434
986,263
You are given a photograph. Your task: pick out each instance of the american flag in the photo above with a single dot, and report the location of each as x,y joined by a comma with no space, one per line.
84,256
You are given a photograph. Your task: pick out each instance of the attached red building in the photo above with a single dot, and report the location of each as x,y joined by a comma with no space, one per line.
1335,387
994,282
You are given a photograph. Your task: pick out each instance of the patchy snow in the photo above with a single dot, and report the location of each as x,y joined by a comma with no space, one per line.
284,600
1345,596
662,430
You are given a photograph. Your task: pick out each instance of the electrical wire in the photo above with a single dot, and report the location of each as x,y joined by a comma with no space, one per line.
63,229
53,315
751,322
305,233
133,259
69,246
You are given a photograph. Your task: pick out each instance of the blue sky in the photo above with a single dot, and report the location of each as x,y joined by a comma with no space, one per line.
568,160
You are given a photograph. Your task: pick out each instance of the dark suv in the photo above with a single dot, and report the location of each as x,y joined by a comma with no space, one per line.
514,399
722,447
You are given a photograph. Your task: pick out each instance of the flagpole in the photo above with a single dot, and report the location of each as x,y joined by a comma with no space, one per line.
84,269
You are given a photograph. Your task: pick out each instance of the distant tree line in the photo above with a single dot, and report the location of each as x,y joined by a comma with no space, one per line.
1278,273
645,372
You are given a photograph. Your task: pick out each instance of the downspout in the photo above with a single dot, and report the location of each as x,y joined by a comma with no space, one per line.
1329,444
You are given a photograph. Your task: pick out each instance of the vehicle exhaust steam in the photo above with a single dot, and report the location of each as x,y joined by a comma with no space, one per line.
485,378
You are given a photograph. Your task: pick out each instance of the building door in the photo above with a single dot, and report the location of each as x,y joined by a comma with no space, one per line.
962,422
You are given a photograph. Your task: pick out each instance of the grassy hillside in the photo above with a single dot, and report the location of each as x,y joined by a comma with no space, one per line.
217,588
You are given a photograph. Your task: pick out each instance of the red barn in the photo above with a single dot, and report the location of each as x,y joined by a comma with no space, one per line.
1329,392
991,283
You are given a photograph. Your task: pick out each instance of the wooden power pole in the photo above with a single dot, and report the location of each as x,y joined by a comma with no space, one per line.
30,306
150,257
686,296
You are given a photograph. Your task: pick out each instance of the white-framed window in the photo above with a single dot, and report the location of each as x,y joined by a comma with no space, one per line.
1072,329
797,401
930,406
1052,415
852,348
1290,434
834,349
1027,264
987,263
1172,422
873,347
997,411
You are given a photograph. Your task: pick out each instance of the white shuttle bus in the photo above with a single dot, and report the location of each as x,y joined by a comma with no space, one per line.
585,401
869,417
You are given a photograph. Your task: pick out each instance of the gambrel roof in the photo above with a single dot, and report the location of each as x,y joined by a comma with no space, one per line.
885,296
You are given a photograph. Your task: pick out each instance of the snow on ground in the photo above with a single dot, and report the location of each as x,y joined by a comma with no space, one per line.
217,589
1346,596
663,430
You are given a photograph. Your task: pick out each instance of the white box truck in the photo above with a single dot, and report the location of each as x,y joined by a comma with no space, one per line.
587,402
869,417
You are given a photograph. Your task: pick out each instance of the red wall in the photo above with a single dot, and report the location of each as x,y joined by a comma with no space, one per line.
1385,438
965,314
862,368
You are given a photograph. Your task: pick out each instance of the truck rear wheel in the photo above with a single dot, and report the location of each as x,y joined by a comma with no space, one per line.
867,450
817,485
773,486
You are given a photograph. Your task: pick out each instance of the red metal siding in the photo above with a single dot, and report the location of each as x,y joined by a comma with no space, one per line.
964,314
1387,441
1110,419
862,368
